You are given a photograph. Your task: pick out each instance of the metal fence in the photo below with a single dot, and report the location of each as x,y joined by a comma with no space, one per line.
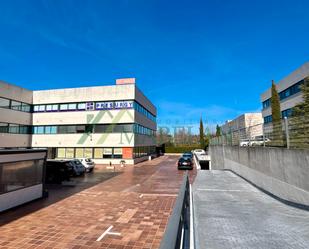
177,234
291,132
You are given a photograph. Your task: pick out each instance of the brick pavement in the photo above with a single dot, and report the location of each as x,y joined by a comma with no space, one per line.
137,203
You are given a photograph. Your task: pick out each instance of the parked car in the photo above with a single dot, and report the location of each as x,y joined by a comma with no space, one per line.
88,164
78,168
188,154
244,142
185,163
199,151
58,171
254,142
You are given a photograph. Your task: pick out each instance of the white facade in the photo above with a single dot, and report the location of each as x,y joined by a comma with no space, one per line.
88,122
246,125
289,92
14,116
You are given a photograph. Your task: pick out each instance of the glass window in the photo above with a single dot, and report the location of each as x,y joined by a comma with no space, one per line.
117,152
79,152
41,108
69,153
4,128
63,107
71,129
40,130
13,128
61,152
19,175
25,107
63,129
16,105
72,106
88,153
128,128
100,128
50,108
36,108
24,129
80,129
81,106
50,129
98,153
4,103
107,153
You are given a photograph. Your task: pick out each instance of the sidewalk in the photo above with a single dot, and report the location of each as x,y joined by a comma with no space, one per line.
231,213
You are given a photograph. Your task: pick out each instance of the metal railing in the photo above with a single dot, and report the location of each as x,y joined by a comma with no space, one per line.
177,233
292,132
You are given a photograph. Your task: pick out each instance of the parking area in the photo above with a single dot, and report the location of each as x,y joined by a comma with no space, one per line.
125,209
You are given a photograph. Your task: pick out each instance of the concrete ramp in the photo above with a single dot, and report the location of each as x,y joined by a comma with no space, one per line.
231,213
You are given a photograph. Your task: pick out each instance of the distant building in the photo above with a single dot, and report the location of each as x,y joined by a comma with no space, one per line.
106,123
289,92
246,125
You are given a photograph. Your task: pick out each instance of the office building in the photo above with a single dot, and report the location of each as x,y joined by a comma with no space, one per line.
106,123
247,125
289,93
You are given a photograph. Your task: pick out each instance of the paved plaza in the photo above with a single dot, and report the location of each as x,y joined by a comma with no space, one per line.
231,213
129,210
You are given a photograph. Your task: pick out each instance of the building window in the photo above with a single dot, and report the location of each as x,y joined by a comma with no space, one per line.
81,106
286,113
72,106
79,152
19,175
61,152
50,129
98,153
88,152
4,103
4,128
266,104
38,129
25,107
50,108
63,107
117,152
13,128
69,153
268,119
16,105
107,153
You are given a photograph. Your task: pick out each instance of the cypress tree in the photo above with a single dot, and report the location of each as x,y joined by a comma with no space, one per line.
276,116
298,123
202,136
218,131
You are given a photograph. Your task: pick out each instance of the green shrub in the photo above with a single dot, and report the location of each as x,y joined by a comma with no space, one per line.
180,149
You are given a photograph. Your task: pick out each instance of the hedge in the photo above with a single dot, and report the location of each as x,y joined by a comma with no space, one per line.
180,149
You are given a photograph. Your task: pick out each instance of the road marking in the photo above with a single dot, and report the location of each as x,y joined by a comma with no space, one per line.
107,231
222,190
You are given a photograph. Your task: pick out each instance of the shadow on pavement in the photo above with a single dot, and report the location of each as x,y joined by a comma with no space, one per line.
58,192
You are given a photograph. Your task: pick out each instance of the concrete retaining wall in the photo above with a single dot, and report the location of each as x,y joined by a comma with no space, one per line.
282,172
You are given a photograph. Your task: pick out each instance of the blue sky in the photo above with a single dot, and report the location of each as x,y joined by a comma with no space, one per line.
191,58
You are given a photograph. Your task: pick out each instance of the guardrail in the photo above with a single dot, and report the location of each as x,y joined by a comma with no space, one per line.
179,229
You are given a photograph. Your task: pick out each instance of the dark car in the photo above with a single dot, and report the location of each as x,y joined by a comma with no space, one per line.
185,163
58,171
188,154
